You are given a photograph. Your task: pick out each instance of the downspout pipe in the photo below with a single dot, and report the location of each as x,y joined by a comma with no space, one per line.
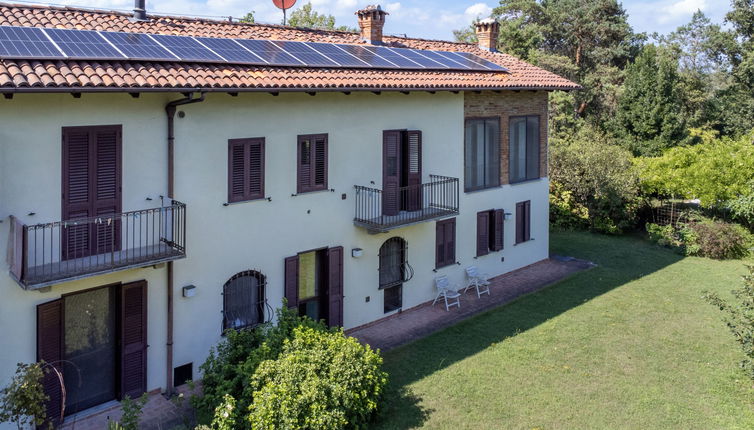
170,110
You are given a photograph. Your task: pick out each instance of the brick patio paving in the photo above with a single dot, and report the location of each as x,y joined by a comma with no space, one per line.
161,413
425,319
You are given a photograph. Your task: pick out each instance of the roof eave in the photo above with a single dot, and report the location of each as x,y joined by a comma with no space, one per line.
78,90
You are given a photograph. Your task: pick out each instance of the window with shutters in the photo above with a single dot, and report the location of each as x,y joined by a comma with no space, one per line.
445,253
312,163
244,300
523,221
489,231
245,169
482,153
314,284
523,132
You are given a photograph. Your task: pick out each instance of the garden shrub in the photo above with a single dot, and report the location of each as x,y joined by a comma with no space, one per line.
231,364
322,380
22,402
704,237
721,240
565,212
599,175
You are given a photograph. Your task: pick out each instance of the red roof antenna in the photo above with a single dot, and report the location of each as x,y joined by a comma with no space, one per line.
284,4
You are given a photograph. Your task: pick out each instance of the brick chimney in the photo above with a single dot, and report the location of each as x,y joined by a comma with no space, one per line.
371,21
487,31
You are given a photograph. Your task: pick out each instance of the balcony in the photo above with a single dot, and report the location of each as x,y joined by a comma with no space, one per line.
379,211
50,253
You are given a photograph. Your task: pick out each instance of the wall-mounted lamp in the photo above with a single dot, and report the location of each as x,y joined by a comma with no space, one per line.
357,252
189,291
508,215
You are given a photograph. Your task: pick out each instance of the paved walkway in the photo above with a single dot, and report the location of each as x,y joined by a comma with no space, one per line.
425,319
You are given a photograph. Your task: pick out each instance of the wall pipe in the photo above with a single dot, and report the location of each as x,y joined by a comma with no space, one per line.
170,109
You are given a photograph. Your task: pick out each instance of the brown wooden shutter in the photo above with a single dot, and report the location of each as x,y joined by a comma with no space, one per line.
498,221
450,241
107,186
77,190
237,168
255,156
319,172
15,255
482,233
50,349
133,313
391,172
414,170
439,244
291,281
527,220
304,164
520,214
335,285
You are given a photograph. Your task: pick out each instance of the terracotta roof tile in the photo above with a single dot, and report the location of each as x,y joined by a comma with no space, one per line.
167,75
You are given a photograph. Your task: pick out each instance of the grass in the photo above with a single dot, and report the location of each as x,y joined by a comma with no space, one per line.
629,344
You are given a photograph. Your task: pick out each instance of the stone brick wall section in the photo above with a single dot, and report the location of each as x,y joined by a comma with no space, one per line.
505,104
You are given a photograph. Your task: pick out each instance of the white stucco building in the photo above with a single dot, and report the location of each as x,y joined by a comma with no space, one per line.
148,205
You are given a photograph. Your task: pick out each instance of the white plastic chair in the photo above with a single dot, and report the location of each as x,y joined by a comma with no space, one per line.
446,292
478,281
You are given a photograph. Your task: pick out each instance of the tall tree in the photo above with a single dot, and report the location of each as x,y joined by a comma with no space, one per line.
307,17
588,41
649,116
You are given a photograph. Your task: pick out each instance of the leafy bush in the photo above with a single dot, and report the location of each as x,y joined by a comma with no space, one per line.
322,380
565,212
231,364
715,171
740,319
23,401
132,410
742,207
599,176
721,240
704,237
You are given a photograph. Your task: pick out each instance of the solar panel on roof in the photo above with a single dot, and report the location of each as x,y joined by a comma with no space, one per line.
187,48
138,46
270,52
26,42
83,44
415,56
465,61
391,55
442,59
305,53
335,53
368,56
230,50
489,64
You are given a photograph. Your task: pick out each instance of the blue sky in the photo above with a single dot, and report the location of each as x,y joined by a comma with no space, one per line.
433,19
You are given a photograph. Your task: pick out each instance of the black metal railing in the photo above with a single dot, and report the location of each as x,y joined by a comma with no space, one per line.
382,210
76,248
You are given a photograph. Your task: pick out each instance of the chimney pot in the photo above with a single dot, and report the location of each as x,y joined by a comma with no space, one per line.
140,10
371,22
487,31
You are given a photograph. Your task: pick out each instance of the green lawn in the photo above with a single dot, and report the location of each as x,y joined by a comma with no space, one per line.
629,344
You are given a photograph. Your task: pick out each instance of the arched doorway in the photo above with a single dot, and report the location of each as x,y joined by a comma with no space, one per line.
394,272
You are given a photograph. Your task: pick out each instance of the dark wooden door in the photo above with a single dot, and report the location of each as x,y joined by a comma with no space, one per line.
50,350
91,188
335,286
391,172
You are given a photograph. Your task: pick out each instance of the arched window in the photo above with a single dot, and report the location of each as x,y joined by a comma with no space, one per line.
244,300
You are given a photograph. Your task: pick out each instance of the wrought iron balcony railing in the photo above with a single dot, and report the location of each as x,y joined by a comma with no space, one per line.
380,211
50,253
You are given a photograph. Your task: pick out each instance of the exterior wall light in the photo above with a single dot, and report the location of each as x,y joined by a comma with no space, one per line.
357,252
189,291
